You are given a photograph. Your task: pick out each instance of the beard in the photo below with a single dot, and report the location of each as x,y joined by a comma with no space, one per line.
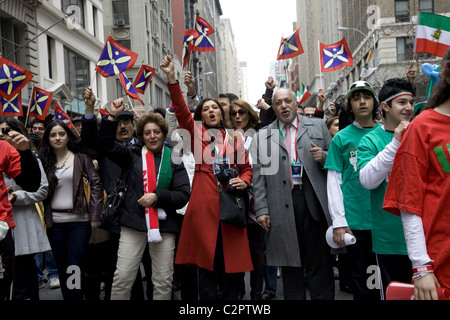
288,119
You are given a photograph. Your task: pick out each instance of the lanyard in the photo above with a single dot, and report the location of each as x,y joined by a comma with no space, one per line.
225,143
282,136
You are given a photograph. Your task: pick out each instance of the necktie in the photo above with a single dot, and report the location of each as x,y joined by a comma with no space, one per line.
287,143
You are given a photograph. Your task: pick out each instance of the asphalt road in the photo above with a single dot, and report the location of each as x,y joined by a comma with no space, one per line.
55,294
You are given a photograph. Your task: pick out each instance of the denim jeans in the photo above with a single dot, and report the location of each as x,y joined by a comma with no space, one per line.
46,261
69,243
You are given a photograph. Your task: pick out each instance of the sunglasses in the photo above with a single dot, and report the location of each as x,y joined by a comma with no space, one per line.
240,111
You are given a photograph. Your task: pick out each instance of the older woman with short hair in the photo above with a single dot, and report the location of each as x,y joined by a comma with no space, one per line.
156,188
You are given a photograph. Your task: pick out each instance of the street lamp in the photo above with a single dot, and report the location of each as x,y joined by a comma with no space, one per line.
374,49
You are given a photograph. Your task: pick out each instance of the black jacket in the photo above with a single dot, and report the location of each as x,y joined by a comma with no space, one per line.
130,160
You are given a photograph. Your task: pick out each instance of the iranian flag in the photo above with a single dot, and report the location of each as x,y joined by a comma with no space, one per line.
432,34
304,95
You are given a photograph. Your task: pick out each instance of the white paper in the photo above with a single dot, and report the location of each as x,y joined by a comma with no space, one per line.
349,239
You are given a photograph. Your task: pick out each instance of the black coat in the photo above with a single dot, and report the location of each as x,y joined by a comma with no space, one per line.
130,160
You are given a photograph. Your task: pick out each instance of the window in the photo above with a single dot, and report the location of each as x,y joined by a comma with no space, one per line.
125,43
50,43
402,10
120,91
67,6
426,6
76,70
120,13
405,49
9,40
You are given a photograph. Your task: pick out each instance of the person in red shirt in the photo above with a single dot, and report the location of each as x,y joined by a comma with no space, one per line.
418,190
18,162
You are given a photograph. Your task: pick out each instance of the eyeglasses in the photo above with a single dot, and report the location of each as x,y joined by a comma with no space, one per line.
240,111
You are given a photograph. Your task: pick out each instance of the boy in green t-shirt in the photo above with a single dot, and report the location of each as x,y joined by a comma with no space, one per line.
376,153
348,200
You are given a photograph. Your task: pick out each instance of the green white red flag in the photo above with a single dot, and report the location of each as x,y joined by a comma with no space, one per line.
432,34
303,95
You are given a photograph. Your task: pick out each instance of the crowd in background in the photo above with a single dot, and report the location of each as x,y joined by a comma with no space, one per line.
369,165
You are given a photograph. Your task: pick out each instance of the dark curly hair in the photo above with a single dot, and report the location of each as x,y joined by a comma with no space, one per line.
153,117
442,91
394,86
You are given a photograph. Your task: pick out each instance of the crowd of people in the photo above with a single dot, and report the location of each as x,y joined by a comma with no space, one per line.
370,165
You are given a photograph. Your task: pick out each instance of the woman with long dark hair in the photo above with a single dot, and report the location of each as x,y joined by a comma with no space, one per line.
68,216
419,188
220,250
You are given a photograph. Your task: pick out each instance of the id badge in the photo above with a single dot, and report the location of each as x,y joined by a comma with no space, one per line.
220,164
297,170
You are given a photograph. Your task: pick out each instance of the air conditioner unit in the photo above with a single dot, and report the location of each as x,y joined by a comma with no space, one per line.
167,20
155,35
171,25
162,12
120,22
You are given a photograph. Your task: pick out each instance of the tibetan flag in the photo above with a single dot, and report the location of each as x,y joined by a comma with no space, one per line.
335,56
39,103
432,34
11,107
129,88
114,59
12,78
189,36
60,114
143,78
290,46
102,113
304,95
202,42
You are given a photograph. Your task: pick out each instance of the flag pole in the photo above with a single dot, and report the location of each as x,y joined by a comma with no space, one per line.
131,103
29,107
320,68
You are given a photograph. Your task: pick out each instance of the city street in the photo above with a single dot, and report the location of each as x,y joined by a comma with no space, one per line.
55,294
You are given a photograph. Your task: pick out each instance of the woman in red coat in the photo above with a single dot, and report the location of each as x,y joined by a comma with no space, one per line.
218,249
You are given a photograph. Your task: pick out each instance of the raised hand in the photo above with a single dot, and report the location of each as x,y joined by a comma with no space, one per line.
89,99
168,67
116,107
189,81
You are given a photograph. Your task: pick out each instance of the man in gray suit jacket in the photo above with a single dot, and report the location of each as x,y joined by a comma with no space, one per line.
290,193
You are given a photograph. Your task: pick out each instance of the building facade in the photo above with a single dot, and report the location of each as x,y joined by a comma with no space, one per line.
59,50
386,25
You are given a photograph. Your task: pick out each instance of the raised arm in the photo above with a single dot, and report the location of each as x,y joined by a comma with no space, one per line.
182,111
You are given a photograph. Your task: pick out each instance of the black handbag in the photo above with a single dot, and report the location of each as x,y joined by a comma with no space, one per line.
112,211
232,208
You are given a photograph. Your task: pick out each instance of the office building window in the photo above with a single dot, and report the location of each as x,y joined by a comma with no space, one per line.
50,43
67,6
120,91
125,43
405,48
120,13
9,40
402,13
426,6
77,78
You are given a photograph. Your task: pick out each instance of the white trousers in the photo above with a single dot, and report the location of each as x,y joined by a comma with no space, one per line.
131,249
